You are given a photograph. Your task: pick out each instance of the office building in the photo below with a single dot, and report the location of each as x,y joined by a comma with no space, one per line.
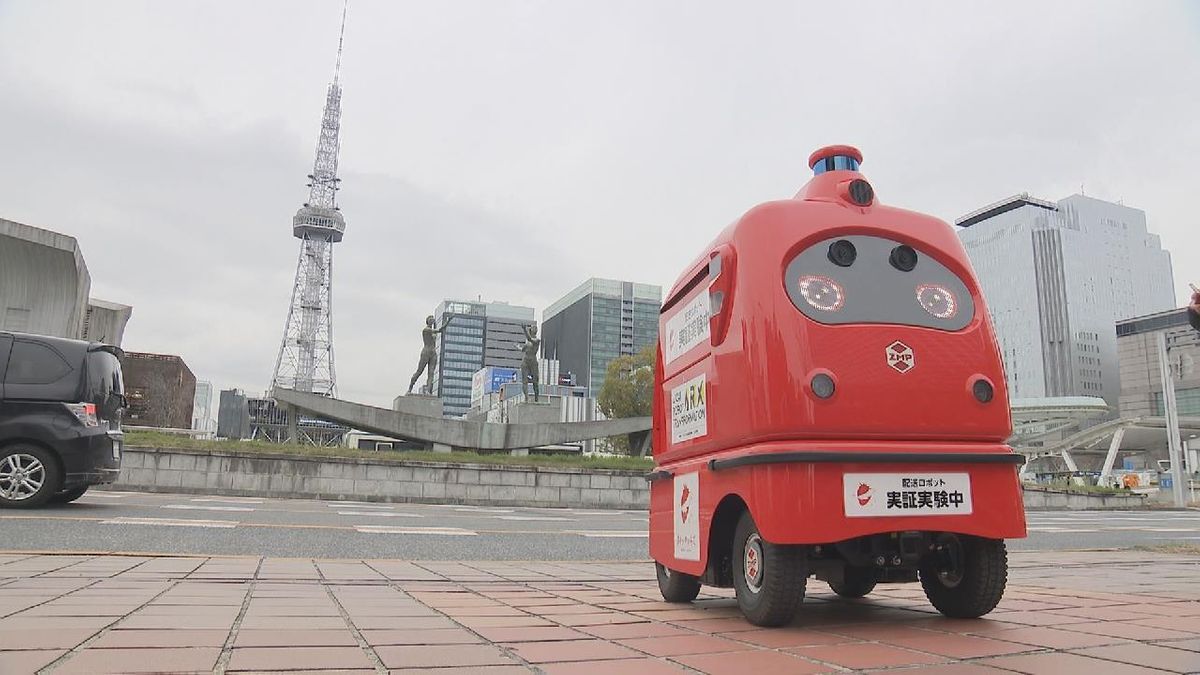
44,281
480,334
161,390
202,407
233,415
1057,276
595,323
1141,377
105,321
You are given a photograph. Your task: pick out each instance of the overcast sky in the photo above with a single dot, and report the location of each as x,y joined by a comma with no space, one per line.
509,150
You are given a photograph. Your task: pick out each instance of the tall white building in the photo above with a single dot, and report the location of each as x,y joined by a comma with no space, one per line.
1056,277
202,419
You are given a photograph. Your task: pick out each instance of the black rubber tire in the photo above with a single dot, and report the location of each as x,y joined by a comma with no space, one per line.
676,586
783,577
856,582
981,586
53,477
69,495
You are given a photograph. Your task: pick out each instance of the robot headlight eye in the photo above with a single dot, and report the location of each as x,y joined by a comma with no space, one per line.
939,301
822,293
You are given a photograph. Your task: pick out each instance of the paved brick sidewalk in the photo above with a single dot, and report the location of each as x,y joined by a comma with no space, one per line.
1095,613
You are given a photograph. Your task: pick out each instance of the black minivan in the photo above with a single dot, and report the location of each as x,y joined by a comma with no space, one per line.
60,418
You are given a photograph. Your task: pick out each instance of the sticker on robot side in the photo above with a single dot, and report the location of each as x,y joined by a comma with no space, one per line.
689,410
688,328
687,516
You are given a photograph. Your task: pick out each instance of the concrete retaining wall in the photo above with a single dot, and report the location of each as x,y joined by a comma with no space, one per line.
1059,500
258,475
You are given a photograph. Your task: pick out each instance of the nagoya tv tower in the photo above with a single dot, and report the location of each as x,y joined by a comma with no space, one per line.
305,361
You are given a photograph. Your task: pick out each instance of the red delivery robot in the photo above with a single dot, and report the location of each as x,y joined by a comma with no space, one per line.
829,401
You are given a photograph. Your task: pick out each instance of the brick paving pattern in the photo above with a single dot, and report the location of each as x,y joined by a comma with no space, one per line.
1064,612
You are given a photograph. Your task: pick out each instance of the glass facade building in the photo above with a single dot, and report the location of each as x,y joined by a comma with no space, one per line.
1057,276
481,334
595,323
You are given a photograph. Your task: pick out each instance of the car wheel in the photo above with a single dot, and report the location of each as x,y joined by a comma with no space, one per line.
68,496
964,577
676,586
768,579
29,476
856,582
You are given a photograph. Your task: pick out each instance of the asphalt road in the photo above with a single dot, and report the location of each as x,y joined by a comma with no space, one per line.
189,524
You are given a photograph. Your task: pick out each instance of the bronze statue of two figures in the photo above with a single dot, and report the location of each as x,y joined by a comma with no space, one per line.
529,362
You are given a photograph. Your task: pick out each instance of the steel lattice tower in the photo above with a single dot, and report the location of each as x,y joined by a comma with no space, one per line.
305,361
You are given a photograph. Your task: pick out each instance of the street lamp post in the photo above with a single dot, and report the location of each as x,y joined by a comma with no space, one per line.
1174,451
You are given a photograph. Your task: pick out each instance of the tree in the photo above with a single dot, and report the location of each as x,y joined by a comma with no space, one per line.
628,390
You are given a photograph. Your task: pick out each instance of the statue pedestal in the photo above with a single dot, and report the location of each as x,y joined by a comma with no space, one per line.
418,404
534,413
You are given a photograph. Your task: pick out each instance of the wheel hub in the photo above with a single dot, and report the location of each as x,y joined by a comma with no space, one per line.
752,563
951,569
21,477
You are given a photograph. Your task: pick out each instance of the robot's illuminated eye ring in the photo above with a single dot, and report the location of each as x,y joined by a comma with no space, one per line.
939,301
822,293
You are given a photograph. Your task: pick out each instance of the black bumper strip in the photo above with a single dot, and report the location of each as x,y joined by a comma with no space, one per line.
660,475
868,458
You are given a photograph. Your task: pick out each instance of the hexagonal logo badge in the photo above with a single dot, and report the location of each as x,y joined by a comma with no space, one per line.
900,357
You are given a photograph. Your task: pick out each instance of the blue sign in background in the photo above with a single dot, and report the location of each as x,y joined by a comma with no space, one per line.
497,377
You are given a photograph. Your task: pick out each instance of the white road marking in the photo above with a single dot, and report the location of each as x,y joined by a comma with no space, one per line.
480,509
230,500
380,514
539,518
598,513
441,531
109,495
1058,529
612,534
358,505
171,522
193,507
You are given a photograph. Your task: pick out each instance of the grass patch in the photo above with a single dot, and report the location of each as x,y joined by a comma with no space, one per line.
158,439
1065,486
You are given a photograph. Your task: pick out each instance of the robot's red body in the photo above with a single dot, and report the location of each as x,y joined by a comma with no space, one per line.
827,368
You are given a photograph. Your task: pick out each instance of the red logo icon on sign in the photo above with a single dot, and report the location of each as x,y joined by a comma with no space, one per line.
864,494
900,357
683,507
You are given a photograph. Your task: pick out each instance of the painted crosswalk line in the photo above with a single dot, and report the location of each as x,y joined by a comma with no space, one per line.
439,531
194,507
380,514
170,522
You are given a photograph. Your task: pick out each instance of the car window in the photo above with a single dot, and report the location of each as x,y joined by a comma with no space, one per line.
34,363
105,384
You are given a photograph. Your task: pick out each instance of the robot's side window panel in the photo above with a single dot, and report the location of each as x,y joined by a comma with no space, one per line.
860,279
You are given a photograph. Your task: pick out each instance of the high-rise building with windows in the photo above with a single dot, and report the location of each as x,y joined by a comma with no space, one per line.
595,323
202,407
1057,276
481,334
